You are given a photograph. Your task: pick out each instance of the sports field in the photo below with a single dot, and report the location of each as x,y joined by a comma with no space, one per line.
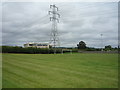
60,70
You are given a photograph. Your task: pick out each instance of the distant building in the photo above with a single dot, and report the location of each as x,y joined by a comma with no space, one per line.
37,45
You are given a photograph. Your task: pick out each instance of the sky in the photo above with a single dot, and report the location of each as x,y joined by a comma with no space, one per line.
24,22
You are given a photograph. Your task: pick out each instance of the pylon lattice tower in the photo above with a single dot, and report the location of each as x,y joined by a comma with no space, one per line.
54,39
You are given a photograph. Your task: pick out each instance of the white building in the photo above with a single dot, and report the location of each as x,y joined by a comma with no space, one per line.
37,45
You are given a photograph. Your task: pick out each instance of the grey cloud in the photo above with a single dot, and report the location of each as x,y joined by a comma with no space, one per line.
26,22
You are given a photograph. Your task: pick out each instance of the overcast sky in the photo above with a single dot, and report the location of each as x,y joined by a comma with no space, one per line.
24,22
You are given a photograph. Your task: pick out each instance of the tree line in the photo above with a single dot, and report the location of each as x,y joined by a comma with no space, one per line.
82,46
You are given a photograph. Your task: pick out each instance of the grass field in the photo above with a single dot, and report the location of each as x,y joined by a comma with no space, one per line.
60,71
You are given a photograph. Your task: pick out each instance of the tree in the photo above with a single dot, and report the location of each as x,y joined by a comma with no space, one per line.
81,45
107,48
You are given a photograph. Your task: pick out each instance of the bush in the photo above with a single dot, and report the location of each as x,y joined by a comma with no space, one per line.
92,49
30,50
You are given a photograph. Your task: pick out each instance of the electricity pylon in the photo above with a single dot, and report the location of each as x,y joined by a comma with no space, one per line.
54,40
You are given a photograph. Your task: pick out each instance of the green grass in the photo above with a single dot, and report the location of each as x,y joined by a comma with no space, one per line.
60,71
0,71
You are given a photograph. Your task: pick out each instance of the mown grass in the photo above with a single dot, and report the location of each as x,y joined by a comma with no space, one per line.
0,71
60,71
